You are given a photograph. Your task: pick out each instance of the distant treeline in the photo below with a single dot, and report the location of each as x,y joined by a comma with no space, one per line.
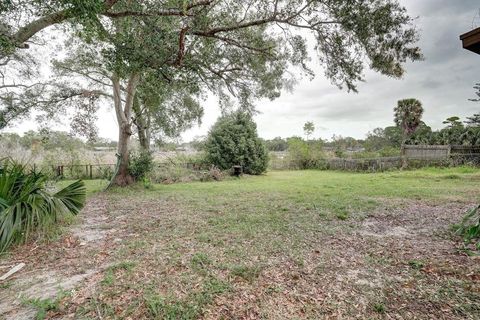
49,140
455,132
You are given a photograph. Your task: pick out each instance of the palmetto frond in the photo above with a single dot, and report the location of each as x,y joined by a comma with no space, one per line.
26,204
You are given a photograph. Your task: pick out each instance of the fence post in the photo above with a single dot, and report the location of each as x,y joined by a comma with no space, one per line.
403,155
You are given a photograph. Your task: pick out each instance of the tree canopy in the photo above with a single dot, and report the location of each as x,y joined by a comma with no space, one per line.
408,115
308,129
241,51
233,140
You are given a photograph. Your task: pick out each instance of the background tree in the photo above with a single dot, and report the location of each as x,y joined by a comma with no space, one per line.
164,112
422,135
233,140
477,87
198,143
308,129
473,121
376,140
305,155
408,116
453,122
277,144
233,49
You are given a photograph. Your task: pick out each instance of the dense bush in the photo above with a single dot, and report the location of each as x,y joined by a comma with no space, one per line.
140,164
105,172
385,152
168,173
233,140
469,228
27,205
305,155
214,174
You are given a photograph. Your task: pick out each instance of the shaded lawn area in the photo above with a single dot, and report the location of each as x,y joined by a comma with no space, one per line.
288,245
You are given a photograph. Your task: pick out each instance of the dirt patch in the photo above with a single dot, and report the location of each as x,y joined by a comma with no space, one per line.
61,265
127,257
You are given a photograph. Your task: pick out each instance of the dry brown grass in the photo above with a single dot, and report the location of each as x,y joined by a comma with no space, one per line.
291,245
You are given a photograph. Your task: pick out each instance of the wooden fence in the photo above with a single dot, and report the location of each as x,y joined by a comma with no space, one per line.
372,164
427,152
453,153
416,156
104,171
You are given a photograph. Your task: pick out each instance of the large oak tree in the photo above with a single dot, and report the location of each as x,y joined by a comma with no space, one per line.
246,49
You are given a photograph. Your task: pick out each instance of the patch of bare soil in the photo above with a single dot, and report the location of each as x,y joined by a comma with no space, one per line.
399,263
60,265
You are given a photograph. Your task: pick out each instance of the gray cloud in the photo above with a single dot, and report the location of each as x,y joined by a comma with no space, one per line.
443,82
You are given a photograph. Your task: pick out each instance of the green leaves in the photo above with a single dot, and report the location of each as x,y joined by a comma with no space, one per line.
26,205
72,197
470,226
233,140
408,115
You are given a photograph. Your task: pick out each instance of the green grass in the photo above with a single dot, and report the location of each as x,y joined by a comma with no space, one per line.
321,185
245,272
188,308
327,186
257,243
43,306
416,264
93,186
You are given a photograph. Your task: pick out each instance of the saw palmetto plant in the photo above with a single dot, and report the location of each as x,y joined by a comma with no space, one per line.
470,227
26,204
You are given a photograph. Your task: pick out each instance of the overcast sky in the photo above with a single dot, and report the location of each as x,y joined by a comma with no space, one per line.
443,82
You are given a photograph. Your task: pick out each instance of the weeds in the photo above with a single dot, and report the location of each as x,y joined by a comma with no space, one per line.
189,307
416,264
379,307
43,306
109,278
200,261
469,228
247,273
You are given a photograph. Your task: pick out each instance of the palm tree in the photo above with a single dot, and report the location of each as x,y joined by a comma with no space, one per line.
308,129
26,204
408,115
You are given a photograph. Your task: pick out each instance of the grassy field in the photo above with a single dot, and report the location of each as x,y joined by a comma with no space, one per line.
287,245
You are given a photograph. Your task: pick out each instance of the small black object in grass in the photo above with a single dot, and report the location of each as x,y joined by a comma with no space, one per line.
237,171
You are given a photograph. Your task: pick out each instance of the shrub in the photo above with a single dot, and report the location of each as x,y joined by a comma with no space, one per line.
469,228
105,172
233,140
26,204
140,164
305,155
389,152
214,174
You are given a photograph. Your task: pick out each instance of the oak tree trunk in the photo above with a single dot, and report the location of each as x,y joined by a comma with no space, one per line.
123,177
142,122
123,112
